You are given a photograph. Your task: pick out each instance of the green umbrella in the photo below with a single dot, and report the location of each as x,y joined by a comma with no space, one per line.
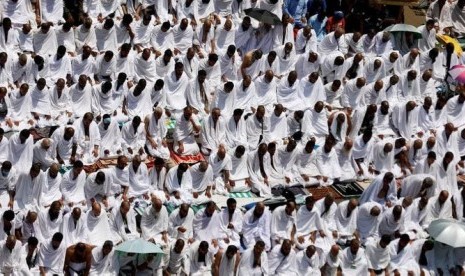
139,246
263,16
404,28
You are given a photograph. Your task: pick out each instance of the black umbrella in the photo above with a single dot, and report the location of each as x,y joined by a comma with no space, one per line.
263,16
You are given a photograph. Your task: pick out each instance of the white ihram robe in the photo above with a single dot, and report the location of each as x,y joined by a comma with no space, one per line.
74,231
254,229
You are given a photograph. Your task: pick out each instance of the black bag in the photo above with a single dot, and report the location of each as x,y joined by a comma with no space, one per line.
284,192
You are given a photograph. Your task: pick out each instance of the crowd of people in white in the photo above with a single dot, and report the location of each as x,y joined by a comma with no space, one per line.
300,102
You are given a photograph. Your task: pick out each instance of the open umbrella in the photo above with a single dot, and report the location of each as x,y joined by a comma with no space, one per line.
263,16
457,72
404,28
448,231
445,39
139,246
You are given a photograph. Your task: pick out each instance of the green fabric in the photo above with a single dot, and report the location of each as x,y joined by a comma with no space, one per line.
170,208
242,195
64,169
170,123
197,208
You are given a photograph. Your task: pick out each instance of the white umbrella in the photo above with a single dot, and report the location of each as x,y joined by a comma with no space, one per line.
448,231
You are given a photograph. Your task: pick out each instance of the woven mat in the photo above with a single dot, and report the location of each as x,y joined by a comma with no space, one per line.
102,164
320,192
348,190
189,159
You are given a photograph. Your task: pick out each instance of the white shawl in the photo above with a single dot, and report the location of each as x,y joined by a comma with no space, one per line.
367,225
51,190
92,190
21,153
172,183
139,182
281,265
194,97
175,221
45,44
59,104
101,265
225,102
245,97
265,92
206,228
411,185
183,39
81,99
66,39
308,221
73,189
310,93
134,139
45,226
236,132
314,123
98,227
74,232
52,259
346,225
246,264
305,67
388,225
84,36
175,91
117,224
201,180
20,106
110,137
153,224
140,105
370,194
59,68
282,224
455,112
378,257
145,69
28,190
254,229
41,101
288,95
213,136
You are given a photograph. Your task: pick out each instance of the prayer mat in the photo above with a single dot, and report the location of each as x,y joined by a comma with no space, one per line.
108,161
348,190
320,192
94,167
298,190
39,133
248,194
189,159
140,207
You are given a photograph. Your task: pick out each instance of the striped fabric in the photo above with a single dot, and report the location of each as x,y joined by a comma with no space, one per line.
242,195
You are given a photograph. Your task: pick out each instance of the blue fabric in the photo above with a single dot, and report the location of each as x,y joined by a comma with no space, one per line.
318,26
296,9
